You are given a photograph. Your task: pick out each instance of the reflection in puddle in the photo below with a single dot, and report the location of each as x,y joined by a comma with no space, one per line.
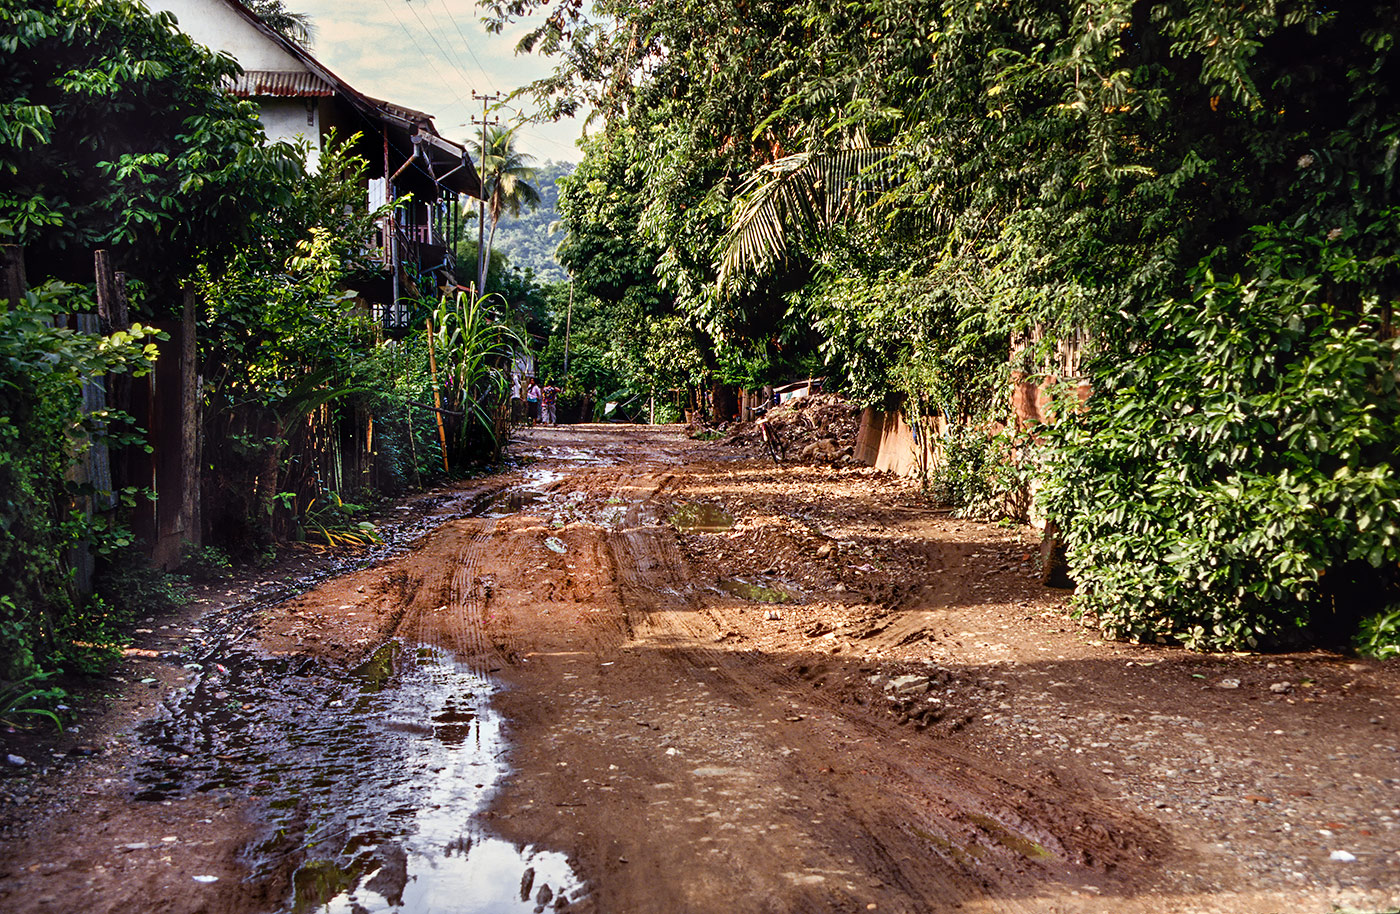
701,518
409,841
373,780
512,501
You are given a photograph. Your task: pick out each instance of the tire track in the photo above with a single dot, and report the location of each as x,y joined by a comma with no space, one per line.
447,611
942,825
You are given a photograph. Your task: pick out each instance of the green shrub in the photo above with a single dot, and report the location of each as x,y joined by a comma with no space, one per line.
132,585
981,475
29,698
206,563
44,431
1233,482
1379,636
89,636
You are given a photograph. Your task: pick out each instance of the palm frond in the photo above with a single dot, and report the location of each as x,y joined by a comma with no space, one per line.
795,198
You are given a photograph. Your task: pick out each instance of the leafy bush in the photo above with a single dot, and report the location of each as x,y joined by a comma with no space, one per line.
206,563
44,431
31,697
332,521
1379,636
1233,481
89,636
134,588
981,475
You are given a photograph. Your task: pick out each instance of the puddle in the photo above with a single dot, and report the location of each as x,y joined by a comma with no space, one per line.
373,780
701,518
755,593
511,501
574,455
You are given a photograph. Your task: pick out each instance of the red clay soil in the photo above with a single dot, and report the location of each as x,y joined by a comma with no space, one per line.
847,700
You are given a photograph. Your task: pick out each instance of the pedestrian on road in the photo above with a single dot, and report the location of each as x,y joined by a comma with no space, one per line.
532,401
549,398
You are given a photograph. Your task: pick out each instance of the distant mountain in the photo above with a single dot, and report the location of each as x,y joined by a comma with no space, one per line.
526,240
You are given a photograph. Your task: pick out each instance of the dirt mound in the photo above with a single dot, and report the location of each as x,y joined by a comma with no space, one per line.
820,428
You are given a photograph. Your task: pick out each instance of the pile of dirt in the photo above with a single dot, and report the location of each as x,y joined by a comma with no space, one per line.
820,428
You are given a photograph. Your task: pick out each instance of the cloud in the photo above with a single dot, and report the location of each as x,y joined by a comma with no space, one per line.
431,55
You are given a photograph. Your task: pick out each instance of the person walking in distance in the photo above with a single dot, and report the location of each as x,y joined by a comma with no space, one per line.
532,401
549,400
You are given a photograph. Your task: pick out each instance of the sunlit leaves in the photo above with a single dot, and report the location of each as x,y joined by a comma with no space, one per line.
1223,483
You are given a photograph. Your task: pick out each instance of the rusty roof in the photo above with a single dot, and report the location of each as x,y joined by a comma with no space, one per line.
260,83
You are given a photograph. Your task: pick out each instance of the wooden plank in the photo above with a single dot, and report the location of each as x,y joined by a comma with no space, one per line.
189,423
174,434
15,283
106,288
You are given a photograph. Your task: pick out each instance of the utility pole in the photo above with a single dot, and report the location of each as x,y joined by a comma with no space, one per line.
482,262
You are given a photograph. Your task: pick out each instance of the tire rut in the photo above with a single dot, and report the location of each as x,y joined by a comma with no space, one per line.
938,824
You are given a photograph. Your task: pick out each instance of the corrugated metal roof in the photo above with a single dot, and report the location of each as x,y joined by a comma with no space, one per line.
262,83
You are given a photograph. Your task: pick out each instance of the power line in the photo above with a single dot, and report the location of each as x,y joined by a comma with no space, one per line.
468,46
461,71
535,136
427,58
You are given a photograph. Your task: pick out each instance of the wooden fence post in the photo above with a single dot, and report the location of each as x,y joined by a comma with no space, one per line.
189,522
15,283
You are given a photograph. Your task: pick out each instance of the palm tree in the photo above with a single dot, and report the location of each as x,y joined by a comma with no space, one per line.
797,197
293,26
505,186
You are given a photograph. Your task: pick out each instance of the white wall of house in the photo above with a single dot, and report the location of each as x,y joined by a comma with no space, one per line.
292,119
216,25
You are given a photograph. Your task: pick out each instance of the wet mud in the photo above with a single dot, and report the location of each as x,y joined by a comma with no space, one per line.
645,674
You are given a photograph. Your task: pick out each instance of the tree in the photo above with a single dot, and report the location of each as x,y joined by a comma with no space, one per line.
505,180
1058,168
291,25
116,133
531,239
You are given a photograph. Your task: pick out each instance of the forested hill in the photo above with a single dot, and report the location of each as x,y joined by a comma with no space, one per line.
526,240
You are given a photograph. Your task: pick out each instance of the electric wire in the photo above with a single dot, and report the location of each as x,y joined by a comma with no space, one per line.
445,55
427,58
468,47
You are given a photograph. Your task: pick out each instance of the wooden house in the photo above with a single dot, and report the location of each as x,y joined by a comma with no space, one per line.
299,98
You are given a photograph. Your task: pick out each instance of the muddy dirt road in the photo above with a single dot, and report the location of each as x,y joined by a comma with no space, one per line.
654,675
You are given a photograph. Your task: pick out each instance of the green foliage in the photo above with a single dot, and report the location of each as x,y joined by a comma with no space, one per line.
474,347
206,563
89,636
44,430
1379,635
128,583
31,697
331,521
291,25
507,183
1056,168
118,134
981,474
288,350
530,239
1234,481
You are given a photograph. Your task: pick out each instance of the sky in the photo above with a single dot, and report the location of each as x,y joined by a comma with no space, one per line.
432,55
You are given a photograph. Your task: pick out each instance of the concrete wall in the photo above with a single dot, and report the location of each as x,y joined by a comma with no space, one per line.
216,25
887,442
